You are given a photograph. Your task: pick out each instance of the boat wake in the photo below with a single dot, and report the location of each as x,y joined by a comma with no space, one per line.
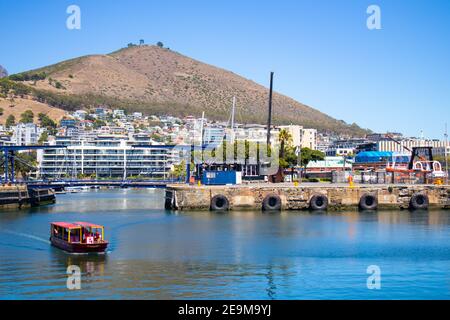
25,235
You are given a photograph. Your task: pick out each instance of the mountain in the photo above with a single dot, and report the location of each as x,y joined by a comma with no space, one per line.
3,72
156,80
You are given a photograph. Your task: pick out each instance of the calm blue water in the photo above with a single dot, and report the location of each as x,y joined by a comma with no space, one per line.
156,254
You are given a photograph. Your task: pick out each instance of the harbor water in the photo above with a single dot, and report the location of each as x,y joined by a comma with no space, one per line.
158,254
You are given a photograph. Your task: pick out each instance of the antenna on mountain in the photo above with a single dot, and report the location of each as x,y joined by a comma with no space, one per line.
269,120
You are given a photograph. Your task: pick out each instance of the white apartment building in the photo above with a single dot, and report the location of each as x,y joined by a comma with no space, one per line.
255,133
339,151
105,157
308,139
80,114
303,138
213,135
26,134
118,113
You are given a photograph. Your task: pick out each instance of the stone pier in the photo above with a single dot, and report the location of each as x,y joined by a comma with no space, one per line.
291,197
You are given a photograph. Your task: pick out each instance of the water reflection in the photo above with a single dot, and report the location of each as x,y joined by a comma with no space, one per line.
90,265
158,254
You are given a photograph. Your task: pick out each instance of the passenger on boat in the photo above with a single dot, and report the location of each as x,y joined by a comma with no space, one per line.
86,234
75,238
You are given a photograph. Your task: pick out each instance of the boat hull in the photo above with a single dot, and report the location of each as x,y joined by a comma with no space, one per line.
79,247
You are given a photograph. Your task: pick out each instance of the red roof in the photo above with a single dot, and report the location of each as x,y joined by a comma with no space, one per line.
76,225
88,225
67,225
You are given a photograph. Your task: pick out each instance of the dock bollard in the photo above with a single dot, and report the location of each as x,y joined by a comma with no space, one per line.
350,181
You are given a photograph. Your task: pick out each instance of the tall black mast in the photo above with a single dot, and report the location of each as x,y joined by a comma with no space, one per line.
269,121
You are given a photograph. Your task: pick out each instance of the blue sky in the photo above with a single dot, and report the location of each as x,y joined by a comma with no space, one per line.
322,53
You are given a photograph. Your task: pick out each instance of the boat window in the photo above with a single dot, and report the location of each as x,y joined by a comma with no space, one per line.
91,235
57,232
75,235
66,234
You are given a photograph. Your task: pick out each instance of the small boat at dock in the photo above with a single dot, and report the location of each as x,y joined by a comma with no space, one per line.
77,189
78,237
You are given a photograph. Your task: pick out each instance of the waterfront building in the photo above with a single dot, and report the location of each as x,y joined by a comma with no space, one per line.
378,160
345,147
108,156
402,145
324,168
337,151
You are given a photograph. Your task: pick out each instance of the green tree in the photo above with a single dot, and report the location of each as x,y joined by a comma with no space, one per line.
43,138
46,121
1,111
98,124
308,155
179,170
10,121
160,44
58,85
27,117
25,163
285,140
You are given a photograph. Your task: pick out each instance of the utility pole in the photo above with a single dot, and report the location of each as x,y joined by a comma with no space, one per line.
269,121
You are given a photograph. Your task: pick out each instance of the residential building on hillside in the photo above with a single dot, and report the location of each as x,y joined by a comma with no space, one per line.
26,134
213,135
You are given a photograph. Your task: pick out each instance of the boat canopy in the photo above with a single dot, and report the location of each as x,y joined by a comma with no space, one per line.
76,225
66,225
88,225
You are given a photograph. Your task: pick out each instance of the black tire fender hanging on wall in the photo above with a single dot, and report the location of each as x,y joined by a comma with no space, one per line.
272,202
419,201
220,203
368,201
318,202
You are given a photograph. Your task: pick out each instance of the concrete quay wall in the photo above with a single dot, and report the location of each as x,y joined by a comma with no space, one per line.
339,197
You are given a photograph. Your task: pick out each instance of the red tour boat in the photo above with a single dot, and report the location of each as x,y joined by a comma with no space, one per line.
78,237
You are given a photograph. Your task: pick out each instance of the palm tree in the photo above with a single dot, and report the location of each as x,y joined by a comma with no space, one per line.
285,139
